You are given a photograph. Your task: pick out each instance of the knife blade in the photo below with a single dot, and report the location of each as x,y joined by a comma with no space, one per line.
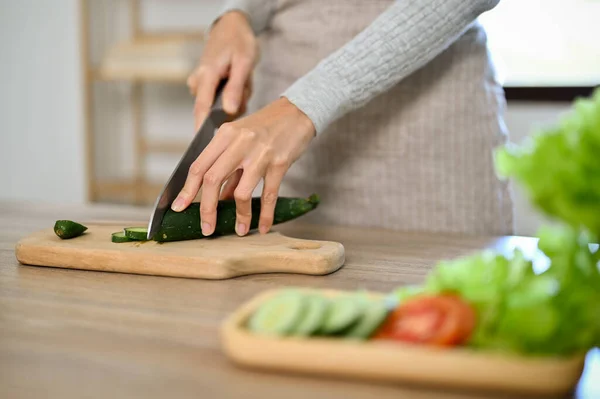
177,180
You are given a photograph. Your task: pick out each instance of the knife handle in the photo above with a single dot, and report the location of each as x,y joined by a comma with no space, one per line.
217,113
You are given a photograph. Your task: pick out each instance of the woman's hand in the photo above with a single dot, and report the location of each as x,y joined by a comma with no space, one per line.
261,145
230,51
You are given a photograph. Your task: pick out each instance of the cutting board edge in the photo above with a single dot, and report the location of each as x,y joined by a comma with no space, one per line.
326,260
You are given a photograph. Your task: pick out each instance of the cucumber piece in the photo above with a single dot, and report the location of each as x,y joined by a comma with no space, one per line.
185,225
374,314
343,313
280,315
68,229
314,317
136,233
120,236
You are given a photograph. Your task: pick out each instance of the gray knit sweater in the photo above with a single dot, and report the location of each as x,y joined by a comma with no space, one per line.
401,40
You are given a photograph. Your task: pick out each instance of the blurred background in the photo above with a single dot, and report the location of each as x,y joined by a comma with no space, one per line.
94,107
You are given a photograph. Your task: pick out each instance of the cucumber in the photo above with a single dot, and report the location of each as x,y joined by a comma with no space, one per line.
343,313
280,315
314,317
185,225
136,233
68,229
374,314
291,313
120,236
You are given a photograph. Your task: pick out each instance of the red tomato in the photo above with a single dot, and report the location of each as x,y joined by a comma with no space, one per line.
468,318
443,320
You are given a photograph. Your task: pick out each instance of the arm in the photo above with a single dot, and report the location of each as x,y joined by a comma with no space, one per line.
265,144
258,12
401,40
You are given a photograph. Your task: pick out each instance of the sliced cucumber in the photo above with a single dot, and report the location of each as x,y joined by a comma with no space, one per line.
343,313
68,229
314,317
374,314
279,315
120,236
136,233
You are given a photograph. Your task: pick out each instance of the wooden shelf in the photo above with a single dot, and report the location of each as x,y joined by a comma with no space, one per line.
164,147
146,57
168,58
126,191
139,76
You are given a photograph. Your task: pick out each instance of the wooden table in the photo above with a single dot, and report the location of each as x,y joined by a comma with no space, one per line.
75,334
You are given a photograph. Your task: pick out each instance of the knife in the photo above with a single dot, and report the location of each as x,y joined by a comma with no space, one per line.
177,180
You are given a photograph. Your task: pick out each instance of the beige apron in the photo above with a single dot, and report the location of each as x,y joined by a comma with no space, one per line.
417,158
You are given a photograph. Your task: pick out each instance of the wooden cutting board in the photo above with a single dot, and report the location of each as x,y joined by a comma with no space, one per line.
216,258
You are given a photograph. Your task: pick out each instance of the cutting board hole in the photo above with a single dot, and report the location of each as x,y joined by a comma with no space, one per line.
304,245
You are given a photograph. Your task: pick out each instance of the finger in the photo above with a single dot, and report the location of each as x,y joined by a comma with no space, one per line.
207,81
243,197
231,184
248,90
197,170
192,83
211,186
270,193
234,89
247,94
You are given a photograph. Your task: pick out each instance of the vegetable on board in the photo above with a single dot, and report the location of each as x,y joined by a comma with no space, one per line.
68,229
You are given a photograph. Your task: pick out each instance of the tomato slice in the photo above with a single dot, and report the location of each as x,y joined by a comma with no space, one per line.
443,320
468,319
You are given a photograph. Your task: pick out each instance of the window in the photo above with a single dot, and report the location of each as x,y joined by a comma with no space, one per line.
545,43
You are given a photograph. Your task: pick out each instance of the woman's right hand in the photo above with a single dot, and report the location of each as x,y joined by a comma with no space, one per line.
231,52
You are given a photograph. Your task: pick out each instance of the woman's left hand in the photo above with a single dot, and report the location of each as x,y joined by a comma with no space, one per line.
262,145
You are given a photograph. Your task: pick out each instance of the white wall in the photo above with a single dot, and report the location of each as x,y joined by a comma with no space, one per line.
41,126
562,49
41,137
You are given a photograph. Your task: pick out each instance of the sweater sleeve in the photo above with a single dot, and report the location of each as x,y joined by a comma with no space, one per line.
259,12
401,40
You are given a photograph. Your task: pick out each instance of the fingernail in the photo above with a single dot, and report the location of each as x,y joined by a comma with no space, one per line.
231,106
177,204
263,229
206,228
240,229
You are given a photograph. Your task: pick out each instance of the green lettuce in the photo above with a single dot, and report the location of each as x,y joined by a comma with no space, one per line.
559,166
554,312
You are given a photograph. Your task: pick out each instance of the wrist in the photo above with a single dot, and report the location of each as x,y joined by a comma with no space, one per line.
304,123
234,17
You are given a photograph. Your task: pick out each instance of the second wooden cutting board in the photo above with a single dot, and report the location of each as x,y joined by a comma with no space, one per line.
217,258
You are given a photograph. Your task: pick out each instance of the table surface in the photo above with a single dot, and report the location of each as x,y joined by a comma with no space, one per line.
69,333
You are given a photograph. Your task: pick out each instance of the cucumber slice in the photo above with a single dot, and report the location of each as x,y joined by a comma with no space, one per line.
279,315
374,314
343,313
316,312
68,229
120,236
136,233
